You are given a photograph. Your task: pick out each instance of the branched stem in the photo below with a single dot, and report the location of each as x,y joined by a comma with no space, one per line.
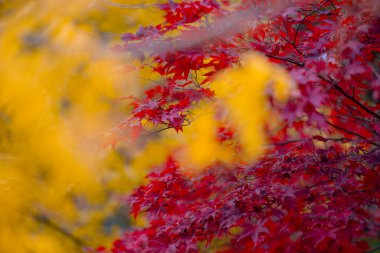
350,132
353,99
303,20
336,86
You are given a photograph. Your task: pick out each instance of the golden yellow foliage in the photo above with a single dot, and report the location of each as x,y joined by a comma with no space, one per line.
201,145
243,93
241,103
58,83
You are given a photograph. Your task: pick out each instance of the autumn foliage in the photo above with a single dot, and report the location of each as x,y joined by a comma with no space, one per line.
270,155
207,126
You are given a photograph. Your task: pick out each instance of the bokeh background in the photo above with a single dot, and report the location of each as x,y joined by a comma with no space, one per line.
61,179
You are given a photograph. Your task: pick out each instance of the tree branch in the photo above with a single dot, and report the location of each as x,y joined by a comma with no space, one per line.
374,249
353,99
49,223
303,20
129,6
336,86
300,64
350,132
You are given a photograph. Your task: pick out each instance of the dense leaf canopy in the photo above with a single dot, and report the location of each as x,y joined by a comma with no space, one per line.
266,162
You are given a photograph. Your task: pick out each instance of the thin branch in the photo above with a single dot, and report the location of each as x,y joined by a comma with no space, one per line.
350,132
303,20
129,6
333,5
168,127
301,140
353,99
374,249
319,183
49,223
345,130
336,86
365,122
300,64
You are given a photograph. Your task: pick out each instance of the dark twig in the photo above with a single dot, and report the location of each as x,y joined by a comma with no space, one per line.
303,20
374,249
49,223
353,99
336,86
302,140
300,64
345,130
350,132
333,5
129,6
320,183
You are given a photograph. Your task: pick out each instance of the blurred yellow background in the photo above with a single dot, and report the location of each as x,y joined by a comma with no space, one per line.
59,188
